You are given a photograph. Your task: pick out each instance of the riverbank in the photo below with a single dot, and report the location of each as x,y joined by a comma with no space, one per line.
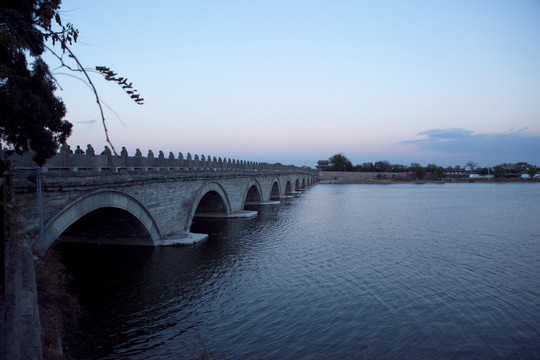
58,309
335,177
470,181
36,309
21,328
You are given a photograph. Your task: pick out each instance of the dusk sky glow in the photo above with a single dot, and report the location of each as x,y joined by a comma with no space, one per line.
293,82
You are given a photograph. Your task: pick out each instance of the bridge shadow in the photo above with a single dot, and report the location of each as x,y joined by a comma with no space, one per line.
107,226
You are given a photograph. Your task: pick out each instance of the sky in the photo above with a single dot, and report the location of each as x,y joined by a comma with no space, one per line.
293,82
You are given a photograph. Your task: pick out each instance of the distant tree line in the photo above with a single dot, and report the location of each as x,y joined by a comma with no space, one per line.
339,162
517,168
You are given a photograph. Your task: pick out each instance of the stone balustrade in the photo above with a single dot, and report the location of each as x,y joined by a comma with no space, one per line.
85,160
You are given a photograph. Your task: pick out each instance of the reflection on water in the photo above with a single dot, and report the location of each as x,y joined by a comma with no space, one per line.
431,271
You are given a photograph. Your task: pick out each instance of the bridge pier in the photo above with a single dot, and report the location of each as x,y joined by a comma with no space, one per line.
272,202
184,240
240,214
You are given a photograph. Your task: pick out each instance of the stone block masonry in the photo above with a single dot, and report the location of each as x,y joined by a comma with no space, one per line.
163,194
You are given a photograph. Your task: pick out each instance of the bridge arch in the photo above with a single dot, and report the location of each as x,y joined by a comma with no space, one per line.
252,193
214,193
94,201
275,190
288,187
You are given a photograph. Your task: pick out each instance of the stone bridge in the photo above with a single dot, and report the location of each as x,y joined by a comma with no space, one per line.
141,200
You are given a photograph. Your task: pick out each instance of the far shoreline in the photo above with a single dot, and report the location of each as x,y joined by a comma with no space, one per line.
420,182
359,177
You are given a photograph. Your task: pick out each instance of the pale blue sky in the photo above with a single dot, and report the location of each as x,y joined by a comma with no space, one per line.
296,81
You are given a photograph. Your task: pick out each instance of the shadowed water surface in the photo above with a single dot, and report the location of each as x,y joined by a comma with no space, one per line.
410,271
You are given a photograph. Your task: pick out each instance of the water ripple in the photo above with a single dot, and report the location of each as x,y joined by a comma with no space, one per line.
409,271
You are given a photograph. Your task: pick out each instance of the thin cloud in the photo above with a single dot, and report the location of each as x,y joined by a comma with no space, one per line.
450,133
87,122
490,149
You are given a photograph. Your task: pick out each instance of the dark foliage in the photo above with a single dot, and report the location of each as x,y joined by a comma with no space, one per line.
339,162
31,116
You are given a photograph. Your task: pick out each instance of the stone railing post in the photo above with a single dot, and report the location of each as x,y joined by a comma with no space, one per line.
161,160
172,160
180,160
188,161
138,158
65,151
90,150
150,159
108,154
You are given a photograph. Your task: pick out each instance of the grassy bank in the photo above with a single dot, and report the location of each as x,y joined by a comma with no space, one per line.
59,310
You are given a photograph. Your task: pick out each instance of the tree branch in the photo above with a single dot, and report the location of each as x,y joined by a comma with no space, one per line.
81,68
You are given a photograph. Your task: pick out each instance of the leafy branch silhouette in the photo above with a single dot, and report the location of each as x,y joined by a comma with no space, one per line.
123,82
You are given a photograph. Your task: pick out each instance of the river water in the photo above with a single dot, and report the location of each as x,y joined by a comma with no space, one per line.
398,271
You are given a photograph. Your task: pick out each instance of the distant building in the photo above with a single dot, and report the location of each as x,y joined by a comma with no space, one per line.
480,176
456,174
323,164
